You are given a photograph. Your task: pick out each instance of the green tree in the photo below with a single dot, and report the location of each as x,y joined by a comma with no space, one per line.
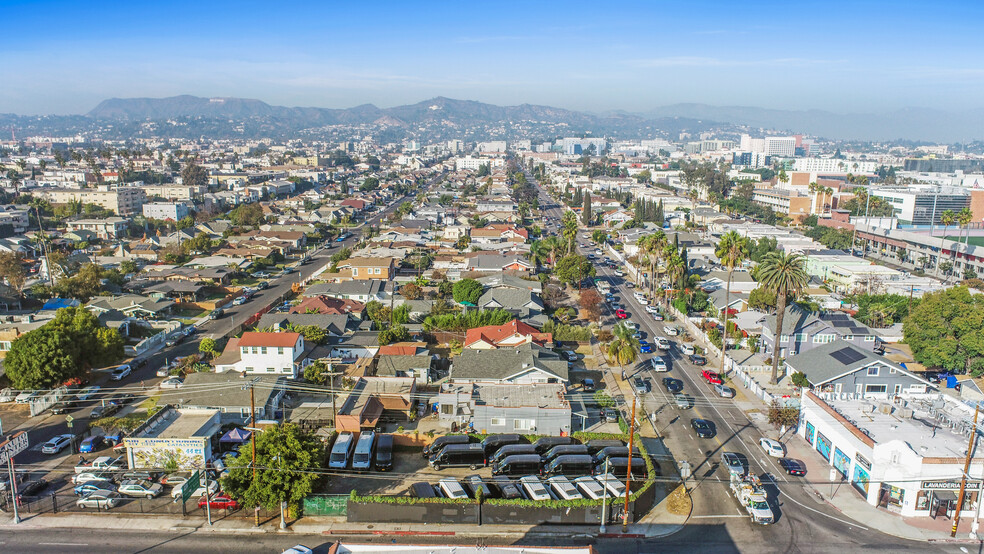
944,330
784,274
782,417
573,269
207,346
287,462
762,299
247,214
370,184
732,251
12,270
194,175
396,333
586,211
569,230
624,348
66,347
467,290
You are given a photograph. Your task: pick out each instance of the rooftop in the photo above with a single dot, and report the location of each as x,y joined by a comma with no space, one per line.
545,395
269,339
182,424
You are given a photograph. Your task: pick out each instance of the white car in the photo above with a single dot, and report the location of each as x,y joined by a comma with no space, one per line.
89,476
213,488
590,488
670,330
136,487
88,392
772,448
120,372
100,501
659,365
642,302
534,488
563,488
56,444
172,383
662,343
652,309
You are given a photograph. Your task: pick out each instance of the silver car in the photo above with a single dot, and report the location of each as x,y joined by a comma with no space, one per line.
724,391
100,501
140,488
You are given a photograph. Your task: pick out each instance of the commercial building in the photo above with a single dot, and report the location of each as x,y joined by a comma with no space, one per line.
537,408
178,438
119,200
166,210
834,165
923,206
791,203
780,146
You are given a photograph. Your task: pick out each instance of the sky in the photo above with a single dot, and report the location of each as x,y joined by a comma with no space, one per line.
846,57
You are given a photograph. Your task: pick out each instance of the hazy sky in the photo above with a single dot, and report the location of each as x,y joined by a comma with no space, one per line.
65,57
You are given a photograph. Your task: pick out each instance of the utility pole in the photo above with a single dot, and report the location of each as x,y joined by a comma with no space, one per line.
910,297
252,435
334,392
963,479
628,475
604,497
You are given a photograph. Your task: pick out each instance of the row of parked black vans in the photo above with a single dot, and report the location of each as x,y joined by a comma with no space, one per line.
512,454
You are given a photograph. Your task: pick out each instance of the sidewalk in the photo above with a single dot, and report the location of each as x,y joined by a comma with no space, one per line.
337,527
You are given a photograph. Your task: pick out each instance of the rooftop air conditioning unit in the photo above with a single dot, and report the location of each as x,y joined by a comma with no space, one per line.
885,408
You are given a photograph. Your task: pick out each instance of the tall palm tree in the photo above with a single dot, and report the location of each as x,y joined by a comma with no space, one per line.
784,274
964,217
674,267
656,245
731,251
947,219
815,189
538,253
827,191
553,245
570,229
624,347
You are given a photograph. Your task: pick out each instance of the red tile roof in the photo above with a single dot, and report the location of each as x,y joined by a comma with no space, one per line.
493,334
327,305
269,339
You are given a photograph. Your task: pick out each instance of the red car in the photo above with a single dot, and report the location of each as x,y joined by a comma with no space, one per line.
620,313
711,377
220,502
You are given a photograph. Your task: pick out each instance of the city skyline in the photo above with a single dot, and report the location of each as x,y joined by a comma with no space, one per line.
844,58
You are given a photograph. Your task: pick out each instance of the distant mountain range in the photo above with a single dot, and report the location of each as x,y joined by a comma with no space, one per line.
441,118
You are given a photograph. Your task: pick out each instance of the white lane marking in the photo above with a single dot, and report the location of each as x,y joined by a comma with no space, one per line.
719,516
64,543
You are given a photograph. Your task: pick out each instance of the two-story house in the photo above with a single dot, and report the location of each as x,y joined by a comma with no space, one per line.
264,353
365,269
508,335
803,330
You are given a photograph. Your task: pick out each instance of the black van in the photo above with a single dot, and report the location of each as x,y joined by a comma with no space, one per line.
520,464
597,444
441,442
616,452
619,467
492,443
564,450
546,443
570,466
384,453
457,455
511,450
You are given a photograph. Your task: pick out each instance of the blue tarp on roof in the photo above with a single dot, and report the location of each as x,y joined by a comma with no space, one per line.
58,303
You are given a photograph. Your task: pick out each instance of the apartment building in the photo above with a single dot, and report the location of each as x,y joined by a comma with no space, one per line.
792,203
119,200
173,211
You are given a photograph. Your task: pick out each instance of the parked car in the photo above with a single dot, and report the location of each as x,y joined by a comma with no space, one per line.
120,372
610,415
589,487
213,489
452,489
172,383
672,385
506,487
639,386
91,444
422,490
88,392
792,466
176,479
658,316
652,309
475,483
101,487
105,410
563,488
663,344
100,500
712,377
670,330
121,398
64,406
140,488
90,476
174,340
26,396
724,392
569,355
703,428
772,447
219,502
56,444
620,314
587,385
20,475
534,488
31,488
216,313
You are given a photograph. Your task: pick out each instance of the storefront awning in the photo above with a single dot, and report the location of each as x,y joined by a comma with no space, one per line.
945,496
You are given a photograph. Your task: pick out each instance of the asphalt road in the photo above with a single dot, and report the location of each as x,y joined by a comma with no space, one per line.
802,521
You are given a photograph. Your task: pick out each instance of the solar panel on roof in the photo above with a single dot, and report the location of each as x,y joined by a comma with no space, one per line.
847,356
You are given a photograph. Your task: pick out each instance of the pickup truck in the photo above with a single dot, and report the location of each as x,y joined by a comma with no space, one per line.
748,491
102,463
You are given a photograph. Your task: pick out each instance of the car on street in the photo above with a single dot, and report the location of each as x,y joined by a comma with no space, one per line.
672,385
172,383
642,300
670,330
88,392
121,398
697,359
711,377
175,340
703,428
620,314
101,487
662,343
136,487
772,447
91,444
733,462
104,411
64,406
56,444
219,502
658,364
792,466
652,309
645,347
682,401
639,386
120,372
657,316
100,501
724,392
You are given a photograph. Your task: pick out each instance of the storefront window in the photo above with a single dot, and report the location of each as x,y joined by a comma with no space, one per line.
860,480
841,462
922,500
809,432
823,446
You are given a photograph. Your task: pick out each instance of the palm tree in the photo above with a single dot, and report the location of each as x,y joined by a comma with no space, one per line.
624,347
964,217
731,251
570,230
674,267
827,191
784,274
553,245
814,188
538,253
947,219
655,245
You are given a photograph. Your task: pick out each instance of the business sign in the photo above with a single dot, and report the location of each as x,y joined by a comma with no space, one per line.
13,446
168,452
948,485
191,485
862,461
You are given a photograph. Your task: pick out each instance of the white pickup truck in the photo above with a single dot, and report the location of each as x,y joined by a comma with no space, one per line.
748,491
102,463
